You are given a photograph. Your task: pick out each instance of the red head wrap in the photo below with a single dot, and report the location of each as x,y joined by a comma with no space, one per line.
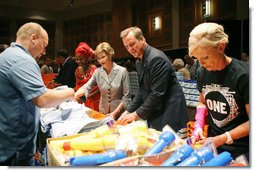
84,50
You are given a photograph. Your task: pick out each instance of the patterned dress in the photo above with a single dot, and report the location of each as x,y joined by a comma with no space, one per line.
81,79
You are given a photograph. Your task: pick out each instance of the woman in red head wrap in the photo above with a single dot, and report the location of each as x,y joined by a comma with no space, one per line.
84,72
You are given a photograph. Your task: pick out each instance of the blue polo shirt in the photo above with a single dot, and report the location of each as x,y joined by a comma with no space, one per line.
20,82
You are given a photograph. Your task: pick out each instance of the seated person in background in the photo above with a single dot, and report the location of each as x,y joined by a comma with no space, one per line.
66,75
113,82
192,66
244,57
84,72
179,66
3,47
133,77
46,68
56,66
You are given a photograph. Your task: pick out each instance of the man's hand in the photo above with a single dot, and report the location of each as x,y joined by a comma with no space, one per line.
126,118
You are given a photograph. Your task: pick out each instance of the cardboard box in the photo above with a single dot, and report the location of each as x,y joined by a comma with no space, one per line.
54,157
57,158
153,160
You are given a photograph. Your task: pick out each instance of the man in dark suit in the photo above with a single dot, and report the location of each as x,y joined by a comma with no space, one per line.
66,75
160,98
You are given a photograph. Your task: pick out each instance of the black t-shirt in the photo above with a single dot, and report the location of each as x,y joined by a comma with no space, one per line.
226,93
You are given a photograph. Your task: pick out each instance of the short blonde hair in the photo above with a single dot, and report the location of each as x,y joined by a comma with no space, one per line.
104,47
206,34
178,62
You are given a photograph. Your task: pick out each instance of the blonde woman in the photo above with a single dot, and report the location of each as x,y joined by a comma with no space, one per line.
223,83
113,82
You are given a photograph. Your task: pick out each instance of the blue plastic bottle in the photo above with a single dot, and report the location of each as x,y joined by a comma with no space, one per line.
165,139
179,155
96,159
198,157
223,159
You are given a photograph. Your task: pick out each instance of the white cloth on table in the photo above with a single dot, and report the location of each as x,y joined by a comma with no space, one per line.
69,118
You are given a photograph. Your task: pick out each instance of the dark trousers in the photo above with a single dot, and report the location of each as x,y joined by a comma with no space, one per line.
16,161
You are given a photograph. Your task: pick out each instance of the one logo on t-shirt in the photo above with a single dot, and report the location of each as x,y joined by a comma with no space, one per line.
221,104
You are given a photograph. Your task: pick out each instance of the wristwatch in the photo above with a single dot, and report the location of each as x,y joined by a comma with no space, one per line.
229,138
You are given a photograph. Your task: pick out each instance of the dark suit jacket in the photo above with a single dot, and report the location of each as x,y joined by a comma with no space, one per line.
160,98
66,74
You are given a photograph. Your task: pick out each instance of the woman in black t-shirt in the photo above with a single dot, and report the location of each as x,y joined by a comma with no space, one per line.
223,83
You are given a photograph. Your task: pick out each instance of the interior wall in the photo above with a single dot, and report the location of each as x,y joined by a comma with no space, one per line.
178,18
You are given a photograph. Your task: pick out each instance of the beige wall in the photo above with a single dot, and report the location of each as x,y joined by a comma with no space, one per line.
55,16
